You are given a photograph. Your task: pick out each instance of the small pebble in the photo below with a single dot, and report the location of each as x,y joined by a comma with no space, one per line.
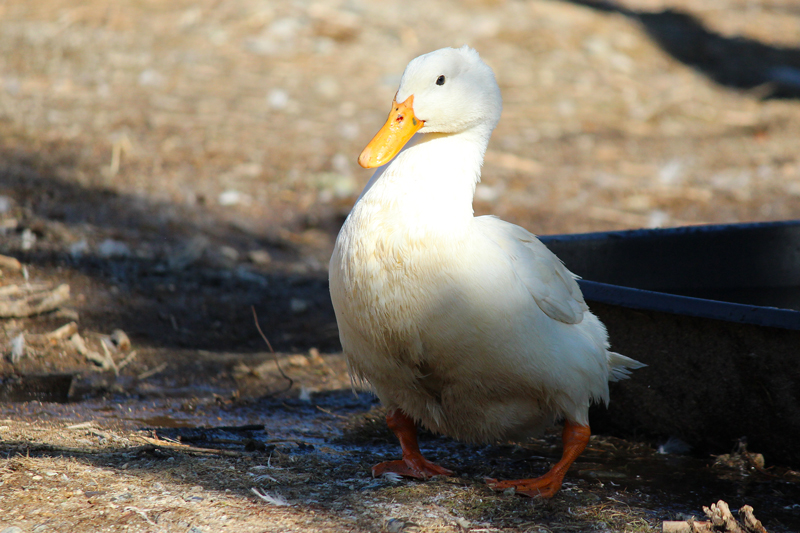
327,87
150,78
298,306
396,525
259,257
110,248
278,99
672,173
120,340
229,253
233,197
657,219
28,239
305,394
5,204
77,249
17,348
250,277
189,253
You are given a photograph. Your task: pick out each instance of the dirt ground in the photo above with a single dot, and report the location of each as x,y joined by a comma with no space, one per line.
181,164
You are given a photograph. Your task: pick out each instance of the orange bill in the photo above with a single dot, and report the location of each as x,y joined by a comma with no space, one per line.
399,128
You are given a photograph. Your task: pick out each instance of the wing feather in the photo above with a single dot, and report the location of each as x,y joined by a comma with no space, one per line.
551,285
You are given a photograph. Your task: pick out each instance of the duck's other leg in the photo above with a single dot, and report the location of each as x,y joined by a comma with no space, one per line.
575,439
413,464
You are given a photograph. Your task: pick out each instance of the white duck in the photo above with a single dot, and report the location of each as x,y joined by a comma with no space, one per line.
467,325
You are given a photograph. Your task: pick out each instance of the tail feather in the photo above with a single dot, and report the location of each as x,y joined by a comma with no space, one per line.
620,366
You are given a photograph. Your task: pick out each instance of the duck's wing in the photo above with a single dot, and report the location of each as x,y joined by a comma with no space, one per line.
551,285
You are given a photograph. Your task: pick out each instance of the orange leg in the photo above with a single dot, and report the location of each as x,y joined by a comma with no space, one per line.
413,463
575,439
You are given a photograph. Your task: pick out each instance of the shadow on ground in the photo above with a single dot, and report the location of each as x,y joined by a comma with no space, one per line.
310,459
161,276
315,456
736,62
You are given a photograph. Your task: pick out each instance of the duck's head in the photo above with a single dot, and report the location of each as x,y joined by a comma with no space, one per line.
447,91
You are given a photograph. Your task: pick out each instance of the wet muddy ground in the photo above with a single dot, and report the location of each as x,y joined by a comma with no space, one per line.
182,164
193,464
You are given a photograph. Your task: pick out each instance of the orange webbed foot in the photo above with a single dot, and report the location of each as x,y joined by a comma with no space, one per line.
417,468
575,438
544,487
413,464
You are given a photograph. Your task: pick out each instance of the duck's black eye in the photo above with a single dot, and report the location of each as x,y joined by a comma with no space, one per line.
440,80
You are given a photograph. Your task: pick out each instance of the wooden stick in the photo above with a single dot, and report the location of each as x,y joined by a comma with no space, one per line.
152,372
690,526
67,330
35,303
721,521
190,449
274,355
721,517
750,523
11,263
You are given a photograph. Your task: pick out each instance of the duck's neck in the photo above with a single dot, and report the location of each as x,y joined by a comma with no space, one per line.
430,185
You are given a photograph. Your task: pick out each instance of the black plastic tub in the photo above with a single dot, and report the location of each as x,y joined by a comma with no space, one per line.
714,311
